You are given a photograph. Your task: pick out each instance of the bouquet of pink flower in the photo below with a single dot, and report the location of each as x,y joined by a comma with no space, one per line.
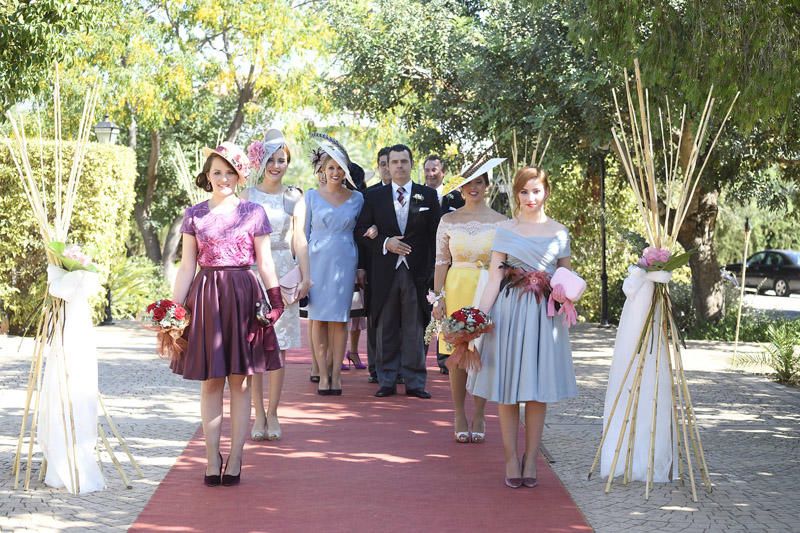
71,257
461,330
654,259
169,319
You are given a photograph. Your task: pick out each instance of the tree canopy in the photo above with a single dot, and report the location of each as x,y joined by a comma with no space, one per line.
35,34
453,76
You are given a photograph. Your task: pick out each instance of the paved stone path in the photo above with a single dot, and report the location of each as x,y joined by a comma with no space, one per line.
156,413
750,429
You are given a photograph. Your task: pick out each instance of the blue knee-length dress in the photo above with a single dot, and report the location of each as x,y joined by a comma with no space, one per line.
527,357
332,255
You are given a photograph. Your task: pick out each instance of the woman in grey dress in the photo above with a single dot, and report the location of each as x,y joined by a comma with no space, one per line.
331,213
526,358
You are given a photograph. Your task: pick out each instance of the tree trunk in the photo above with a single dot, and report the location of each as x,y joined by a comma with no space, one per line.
697,232
246,94
142,209
170,252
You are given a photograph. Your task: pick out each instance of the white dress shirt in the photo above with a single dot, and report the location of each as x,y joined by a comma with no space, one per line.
401,211
439,191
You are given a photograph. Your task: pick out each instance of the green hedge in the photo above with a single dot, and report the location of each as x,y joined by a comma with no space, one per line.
100,222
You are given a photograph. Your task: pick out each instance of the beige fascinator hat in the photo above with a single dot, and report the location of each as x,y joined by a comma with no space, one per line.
333,148
471,173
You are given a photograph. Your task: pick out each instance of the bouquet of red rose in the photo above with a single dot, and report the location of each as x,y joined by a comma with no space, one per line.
169,319
461,330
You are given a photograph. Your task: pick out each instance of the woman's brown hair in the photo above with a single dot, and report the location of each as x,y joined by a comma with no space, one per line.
285,148
523,176
201,180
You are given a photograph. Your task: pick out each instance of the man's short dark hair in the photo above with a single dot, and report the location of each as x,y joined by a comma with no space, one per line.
382,152
435,157
402,148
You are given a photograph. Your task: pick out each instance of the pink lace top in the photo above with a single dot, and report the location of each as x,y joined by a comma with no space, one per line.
226,239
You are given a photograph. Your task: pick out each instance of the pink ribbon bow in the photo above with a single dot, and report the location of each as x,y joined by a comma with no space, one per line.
567,307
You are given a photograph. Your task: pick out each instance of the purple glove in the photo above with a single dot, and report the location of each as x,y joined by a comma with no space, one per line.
276,302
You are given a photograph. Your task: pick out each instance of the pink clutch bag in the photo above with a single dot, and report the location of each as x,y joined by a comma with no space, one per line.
572,284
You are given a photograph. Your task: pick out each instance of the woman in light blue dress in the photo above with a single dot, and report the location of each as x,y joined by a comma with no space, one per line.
527,357
331,213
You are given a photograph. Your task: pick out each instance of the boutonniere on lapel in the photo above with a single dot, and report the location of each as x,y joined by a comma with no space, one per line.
418,197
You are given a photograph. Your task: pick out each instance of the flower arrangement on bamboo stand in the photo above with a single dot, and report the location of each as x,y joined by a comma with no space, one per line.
650,430
61,401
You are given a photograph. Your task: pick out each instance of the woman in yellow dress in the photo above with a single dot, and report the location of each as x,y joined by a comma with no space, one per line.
463,249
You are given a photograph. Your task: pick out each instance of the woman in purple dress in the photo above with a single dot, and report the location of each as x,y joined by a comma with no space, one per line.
224,236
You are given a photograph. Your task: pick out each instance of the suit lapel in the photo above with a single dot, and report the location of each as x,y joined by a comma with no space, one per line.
414,206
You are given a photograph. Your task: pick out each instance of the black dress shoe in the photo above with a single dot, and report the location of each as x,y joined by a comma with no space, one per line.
314,379
418,393
386,391
214,480
228,480
372,379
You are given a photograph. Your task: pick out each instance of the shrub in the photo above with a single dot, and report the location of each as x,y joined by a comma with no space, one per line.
781,354
100,222
134,283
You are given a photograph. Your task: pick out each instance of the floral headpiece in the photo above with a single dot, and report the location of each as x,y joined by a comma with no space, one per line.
234,155
317,154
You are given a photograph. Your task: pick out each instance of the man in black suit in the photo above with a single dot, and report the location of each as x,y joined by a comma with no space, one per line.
385,179
401,258
383,168
434,168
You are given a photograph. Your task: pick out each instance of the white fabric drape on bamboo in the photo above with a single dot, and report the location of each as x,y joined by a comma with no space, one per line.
72,370
639,288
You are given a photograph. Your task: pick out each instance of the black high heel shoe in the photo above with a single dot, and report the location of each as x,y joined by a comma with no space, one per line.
229,480
214,480
328,391
335,392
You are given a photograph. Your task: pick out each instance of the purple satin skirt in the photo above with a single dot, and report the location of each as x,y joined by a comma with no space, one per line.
223,335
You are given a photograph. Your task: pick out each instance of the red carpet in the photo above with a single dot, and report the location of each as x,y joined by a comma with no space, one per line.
358,463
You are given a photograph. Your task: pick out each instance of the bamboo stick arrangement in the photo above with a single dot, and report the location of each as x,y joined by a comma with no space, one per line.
663,203
52,209
505,172
186,175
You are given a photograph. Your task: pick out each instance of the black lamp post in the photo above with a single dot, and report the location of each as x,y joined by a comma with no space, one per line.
603,271
106,133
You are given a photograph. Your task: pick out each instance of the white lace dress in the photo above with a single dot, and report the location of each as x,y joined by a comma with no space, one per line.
287,328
